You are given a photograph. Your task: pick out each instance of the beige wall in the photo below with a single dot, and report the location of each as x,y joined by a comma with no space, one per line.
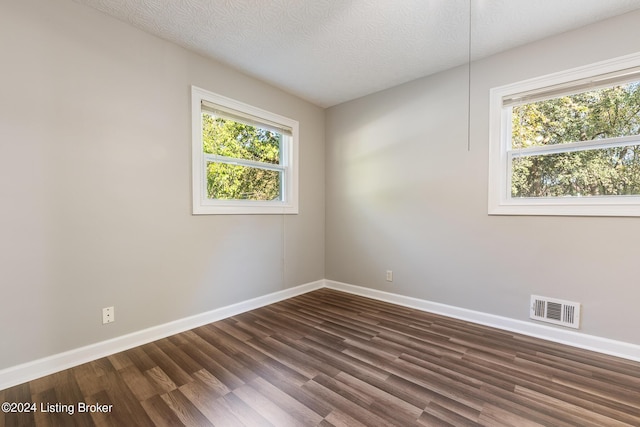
95,187
403,193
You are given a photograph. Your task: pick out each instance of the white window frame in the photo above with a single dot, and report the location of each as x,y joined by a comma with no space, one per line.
501,153
202,205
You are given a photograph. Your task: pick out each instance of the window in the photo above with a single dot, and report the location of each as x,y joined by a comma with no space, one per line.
244,158
568,143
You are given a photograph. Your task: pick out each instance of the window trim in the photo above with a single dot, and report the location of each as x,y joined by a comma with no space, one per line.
202,205
500,201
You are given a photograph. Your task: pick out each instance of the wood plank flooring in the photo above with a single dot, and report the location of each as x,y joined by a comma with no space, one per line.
329,358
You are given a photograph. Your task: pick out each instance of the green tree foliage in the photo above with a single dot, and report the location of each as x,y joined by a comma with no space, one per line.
597,114
237,140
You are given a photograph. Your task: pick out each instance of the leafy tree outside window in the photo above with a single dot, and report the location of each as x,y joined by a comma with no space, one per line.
225,142
596,115
568,143
244,158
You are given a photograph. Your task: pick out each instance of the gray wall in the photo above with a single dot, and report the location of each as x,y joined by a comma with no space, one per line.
403,193
95,185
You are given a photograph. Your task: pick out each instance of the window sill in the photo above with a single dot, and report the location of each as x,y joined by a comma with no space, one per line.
245,208
605,206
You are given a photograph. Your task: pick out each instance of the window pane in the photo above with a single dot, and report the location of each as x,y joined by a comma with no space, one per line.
597,114
234,182
610,171
228,138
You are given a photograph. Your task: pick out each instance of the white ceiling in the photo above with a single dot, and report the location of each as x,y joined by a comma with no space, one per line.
331,51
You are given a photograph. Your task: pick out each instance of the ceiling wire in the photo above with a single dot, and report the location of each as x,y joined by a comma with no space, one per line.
469,83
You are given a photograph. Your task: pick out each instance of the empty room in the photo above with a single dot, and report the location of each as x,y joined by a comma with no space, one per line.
319,213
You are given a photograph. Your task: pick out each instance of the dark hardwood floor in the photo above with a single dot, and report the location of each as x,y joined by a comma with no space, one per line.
328,358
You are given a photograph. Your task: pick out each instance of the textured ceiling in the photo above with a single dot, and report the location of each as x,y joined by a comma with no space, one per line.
331,51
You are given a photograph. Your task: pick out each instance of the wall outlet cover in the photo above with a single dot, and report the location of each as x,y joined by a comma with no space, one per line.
108,315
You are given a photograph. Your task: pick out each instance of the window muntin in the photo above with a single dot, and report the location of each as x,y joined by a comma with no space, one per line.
244,158
568,144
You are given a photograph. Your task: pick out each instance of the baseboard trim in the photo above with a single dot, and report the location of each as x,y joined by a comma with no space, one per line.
19,374
576,339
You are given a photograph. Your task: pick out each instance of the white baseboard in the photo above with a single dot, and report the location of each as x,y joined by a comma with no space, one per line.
38,368
569,337
19,374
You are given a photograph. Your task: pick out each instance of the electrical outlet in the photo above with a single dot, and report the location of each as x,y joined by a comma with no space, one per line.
108,315
389,276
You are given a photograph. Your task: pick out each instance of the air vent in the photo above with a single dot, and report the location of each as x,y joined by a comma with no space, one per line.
558,312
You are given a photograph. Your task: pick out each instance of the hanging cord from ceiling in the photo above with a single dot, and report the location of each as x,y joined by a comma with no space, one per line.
469,82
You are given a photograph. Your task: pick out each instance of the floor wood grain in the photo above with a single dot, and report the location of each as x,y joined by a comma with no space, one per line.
328,358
